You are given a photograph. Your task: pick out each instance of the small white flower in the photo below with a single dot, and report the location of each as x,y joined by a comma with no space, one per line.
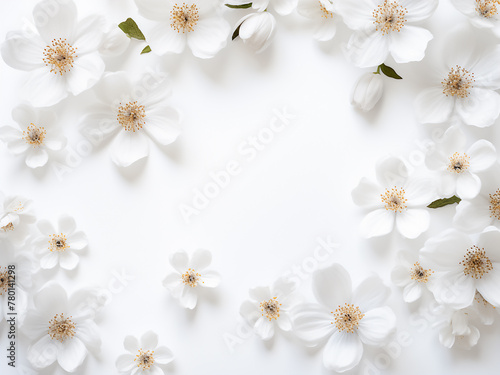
196,23
367,91
464,88
62,57
322,15
59,246
484,210
483,14
15,217
37,137
396,200
145,356
458,167
61,328
456,329
131,113
384,27
268,307
463,266
346,320
190,274
411,275
257,30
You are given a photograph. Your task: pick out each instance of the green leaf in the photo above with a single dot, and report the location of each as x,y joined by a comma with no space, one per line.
388,71
130,28
236,32
444,202
241,6
146,49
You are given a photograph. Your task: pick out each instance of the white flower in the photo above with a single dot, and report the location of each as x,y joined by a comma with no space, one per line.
60,328
144,356
196,23
396,200
269,306
484,210
464,87
456,329
257,30
37,137
62,56
411,275
59,246
463,266
282,7
190,274
483,14
15,217
367,91
132,113
345,319
384,27
322,15
458,167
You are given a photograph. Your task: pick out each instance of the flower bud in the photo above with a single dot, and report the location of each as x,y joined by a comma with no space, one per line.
257,29
367,91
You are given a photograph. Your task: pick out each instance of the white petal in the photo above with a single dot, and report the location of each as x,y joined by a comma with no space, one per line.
210,279
467,7
412,292
200,259
149,340
420,192
264,328
55,20
468,185
486,72
400,276
89,34
125,362
43,353
412,222
163,38
456,289
250,311
357,15
260,293
490,240
283,287
44,88
446,337
188,297
367,194
86,72
391,171
129,147
71,354
55,142
68,260
482,155
209,37
332,286
284,7
45,227
409,44
163,125
67,224
342,352
367,49
433,107
179,260
481,108
377,223
370,294
326,30
22,53
78,241
131,344
376,326
88,332
312,323
441,252
34,325
36,157
419,10
472,215
156,10
163,355
49,261
284,322
112,87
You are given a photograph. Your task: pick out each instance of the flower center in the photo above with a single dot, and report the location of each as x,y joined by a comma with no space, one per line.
495,204
191,278
59,56
325,12
58,242
394,199
389,16
476,263
8,228
4,281
459,163
347,317
131,116
419,274
270,309
145,359
61,328
34,135
183,18
487,8
458,83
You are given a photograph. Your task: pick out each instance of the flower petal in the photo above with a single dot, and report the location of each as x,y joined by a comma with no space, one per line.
86,72
468,185
367,194
188,297
200,259
129,147
43,353
332,286
55,20
89,34
44,88
370,294
163,355
413,222
472,216
67,224
20,52
68,260
481,108
78,241
312,323
376,326
125,362
409,44
260,293
179,260
36,157
162,38
131,344
149,340
250,311
163,125
482,155
210,279
49,261
433,107
264,328
367,48
419,10
342,352
156,10
377,223
412,292
209,37
71,354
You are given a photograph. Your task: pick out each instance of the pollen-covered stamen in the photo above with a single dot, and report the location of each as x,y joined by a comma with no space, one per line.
347,317
487,8
419,274
458,162
476,264
58,242
7,228
145,359
389,16
34,135
131,116
59,56
325,13
183,18
495,205
458,83
271,308
394,199
61,328
4,280
191,278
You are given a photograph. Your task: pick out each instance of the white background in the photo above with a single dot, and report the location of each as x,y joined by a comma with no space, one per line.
265,222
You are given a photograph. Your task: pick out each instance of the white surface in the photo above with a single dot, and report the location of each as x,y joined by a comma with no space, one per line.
265,222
